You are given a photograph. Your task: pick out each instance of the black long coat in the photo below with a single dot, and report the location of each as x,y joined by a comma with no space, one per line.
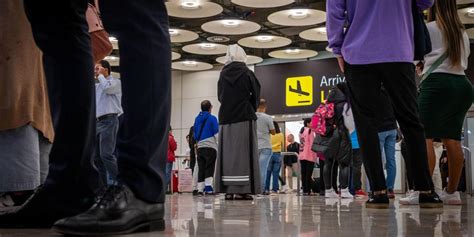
239,93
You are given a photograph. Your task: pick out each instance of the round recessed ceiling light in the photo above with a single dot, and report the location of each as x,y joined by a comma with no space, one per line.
190,4
192,8
113,39
297,17
175,56
264,42
230,27
231,23
293,54
262,3
174,32
191,65
218,39
264,38
292,51
316,34
208,47
251,60
298,14
466,15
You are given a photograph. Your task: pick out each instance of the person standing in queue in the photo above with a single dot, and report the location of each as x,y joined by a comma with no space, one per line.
367,62
108,95
68,200
206,128
445,78
237,169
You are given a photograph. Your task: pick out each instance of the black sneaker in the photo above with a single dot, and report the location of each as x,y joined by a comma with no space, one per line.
378,201
200,194
195,193
430,200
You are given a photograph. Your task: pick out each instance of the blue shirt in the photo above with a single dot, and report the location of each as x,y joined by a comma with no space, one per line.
108,96
207,138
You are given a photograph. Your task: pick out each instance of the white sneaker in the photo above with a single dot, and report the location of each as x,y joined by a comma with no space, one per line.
330,193
411,198
450,199
346,194
284,189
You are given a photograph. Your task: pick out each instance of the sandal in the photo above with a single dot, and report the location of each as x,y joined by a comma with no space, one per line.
229,196
243,197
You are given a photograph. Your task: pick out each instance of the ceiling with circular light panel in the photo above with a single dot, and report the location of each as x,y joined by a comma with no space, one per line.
298,27
191,66
293,54
251,60
175,56
205,48
231,27
182,36
262,3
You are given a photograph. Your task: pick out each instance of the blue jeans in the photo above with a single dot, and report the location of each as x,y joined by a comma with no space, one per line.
106,161
387,146
169,168
264,156
273,170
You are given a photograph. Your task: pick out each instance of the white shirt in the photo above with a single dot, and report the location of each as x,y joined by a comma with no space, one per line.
439,49
108,96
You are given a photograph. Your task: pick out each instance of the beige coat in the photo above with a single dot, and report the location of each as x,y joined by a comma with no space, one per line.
23,91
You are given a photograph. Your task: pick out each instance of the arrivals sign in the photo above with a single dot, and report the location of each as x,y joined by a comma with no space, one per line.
300,87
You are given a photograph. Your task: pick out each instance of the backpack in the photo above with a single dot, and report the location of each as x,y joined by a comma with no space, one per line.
323,118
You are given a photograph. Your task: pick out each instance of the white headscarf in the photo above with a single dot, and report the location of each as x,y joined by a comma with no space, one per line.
235,53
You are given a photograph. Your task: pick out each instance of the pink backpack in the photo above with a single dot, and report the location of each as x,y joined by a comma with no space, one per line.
324,112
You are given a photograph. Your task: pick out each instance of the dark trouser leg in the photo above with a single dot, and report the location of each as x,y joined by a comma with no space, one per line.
107,130
408,168
357,169
61,32
334,173
344,171
328,173
141,27
365,86
399,81
192,159
304,180
201,160
210,162
321,175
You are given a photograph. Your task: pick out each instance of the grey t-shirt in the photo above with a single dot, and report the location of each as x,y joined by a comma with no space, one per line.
264,125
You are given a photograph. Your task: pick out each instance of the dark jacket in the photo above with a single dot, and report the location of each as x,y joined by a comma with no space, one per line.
386,116
336,145
239,94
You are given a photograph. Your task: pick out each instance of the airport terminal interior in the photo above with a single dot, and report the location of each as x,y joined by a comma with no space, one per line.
291,50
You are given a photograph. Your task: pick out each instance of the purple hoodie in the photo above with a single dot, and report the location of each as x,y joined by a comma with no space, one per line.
379,31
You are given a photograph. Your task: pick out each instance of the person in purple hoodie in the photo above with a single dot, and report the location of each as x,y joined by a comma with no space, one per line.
374,45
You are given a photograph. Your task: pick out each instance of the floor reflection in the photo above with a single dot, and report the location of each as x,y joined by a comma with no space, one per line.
291,215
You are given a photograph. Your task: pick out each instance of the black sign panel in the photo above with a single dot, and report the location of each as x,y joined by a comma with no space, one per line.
295,88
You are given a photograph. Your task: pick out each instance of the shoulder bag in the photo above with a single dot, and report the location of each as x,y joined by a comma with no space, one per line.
100,43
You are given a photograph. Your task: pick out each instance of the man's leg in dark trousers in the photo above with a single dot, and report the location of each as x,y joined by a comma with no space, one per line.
62,34
399,81
365,87
141,27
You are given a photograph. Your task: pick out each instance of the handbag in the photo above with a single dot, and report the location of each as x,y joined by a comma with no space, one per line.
434,66
422,40
100,43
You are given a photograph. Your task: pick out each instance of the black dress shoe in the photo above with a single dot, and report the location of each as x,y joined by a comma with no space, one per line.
430,200
43,209
117,211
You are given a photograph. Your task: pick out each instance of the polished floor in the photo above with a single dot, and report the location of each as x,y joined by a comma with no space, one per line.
291,215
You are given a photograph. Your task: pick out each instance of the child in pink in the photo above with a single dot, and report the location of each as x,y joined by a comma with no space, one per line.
307,157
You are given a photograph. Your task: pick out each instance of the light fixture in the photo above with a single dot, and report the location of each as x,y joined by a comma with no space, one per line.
111,58
298,14
264,38
470,12
322,30
230,23
190,63
207,46
112,39
190,4
292,51
174,32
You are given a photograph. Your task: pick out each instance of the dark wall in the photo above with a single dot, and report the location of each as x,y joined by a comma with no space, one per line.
273,78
